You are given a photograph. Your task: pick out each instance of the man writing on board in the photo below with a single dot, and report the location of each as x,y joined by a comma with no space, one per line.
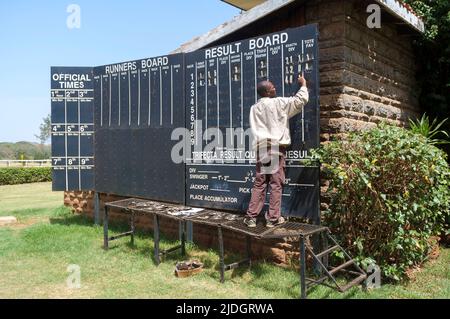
269,122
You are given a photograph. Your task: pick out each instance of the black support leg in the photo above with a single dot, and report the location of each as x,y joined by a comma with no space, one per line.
156,238
221,255
315,241
183,238
302,268
105,229
132,228
249,251
325,247
96,209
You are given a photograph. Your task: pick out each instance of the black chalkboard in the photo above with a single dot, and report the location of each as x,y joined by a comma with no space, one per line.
133,107
220,89
137,106
72,109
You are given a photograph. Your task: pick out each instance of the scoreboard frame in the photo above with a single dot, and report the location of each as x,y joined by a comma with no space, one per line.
221,83
72,127
131,119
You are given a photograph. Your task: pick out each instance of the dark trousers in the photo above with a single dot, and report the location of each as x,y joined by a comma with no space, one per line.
276,181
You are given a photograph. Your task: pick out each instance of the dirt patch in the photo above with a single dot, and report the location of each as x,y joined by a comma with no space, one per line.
21,224
7,220
435,248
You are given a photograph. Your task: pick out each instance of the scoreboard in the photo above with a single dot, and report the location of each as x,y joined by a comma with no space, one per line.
134,108
137,106
72,106
221,87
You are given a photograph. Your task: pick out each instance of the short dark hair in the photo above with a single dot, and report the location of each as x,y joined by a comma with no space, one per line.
262,88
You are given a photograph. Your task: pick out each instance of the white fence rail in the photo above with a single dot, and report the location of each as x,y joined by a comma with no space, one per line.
25,163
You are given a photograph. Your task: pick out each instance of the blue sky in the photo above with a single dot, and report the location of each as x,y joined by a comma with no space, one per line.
34,36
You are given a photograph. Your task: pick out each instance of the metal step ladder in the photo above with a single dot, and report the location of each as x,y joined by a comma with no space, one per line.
326,271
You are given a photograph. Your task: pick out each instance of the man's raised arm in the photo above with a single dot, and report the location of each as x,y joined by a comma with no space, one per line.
293,105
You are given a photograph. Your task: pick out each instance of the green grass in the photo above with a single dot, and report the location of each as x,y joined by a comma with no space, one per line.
35,254
19,199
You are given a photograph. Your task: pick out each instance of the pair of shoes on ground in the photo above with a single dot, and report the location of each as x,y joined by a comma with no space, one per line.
251,222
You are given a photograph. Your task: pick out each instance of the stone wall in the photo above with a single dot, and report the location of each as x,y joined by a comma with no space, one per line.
366,75
80,202
331,20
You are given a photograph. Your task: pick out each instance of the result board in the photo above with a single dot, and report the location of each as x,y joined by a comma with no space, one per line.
72,125
137,106
133,108
221,86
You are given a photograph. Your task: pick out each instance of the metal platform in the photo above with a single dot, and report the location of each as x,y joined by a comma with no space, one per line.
214,218
293,229
125,204
136,206
233,222
238,226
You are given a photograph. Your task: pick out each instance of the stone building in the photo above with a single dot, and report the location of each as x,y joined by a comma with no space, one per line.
366,75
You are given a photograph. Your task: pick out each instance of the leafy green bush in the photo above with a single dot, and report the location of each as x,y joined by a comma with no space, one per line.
23,175
389,194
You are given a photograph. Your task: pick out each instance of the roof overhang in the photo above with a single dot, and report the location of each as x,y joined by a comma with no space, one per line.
394,7
399,9
244,4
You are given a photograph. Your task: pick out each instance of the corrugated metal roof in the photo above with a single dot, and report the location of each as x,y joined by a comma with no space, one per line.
394,7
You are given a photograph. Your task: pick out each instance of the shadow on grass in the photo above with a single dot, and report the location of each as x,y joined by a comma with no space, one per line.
260,274
115,228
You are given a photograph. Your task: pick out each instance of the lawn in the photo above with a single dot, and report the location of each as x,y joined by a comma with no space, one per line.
36,252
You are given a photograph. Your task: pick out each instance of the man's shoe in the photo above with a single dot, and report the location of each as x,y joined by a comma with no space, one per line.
277,222
250,222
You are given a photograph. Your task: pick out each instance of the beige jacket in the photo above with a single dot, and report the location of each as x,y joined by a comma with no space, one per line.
269,118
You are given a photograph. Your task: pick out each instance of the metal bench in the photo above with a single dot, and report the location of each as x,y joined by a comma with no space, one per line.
233,222
134,206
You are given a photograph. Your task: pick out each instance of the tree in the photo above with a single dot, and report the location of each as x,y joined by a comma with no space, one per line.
433,57
45,130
